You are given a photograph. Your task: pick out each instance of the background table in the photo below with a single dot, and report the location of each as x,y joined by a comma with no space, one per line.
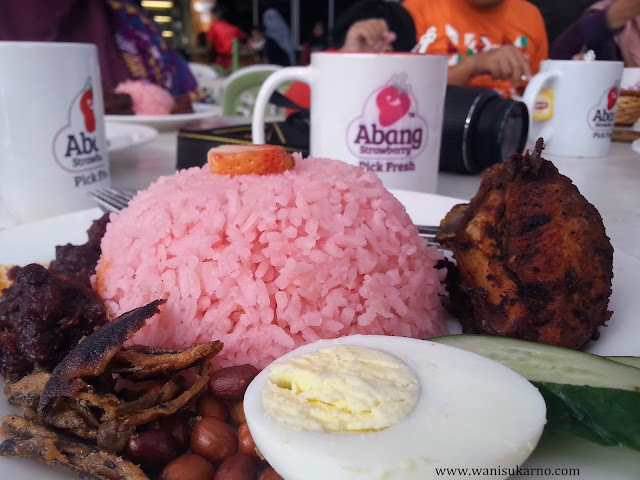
612,184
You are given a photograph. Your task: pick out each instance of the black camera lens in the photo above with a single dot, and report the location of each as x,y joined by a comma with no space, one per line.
480,128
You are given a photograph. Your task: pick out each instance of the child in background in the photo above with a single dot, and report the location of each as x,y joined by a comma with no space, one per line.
221,35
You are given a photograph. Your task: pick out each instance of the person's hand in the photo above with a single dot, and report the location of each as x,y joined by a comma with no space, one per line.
371,35
621,12
502,63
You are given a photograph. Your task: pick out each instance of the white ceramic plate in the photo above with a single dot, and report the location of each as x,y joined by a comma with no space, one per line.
170,122
125,135
35,243
635,145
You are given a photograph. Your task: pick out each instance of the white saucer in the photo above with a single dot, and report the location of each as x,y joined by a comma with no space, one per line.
170,122
124,135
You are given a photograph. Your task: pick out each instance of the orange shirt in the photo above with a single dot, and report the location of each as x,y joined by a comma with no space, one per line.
458,29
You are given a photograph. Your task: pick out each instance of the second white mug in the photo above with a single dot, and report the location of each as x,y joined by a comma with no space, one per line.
380,111
572,105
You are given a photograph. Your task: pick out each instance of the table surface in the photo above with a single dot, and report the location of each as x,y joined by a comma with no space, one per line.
612,184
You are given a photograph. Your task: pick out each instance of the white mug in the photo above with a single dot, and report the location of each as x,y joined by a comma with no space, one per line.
572,105
630,79
52,136
382,111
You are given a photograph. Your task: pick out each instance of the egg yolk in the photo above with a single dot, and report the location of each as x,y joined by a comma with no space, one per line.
340,389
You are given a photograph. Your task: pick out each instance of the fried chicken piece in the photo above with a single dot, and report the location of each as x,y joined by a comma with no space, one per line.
533,259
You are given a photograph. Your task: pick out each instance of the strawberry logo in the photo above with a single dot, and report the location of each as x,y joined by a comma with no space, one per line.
612,98
86,106
389,133
393,104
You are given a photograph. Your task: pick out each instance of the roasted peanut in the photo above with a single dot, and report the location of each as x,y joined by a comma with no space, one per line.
230,383
209,406
237,414
177,425
269,474
246,444
188,467
152,449
237,467
214,439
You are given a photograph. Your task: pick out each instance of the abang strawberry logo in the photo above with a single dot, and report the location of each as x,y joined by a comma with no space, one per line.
79,145
393,103
86,107
389,133
612,98
603,114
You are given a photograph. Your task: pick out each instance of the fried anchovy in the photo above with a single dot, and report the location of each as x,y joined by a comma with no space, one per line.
23,438
114,434
143,363
92,355
25,393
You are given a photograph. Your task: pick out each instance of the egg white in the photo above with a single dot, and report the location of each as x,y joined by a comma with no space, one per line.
472,412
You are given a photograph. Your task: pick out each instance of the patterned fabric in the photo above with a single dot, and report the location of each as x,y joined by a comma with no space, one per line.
146,53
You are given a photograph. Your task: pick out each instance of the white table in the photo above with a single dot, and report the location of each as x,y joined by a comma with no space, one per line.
612,184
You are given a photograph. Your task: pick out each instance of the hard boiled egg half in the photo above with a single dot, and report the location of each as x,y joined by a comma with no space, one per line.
369,407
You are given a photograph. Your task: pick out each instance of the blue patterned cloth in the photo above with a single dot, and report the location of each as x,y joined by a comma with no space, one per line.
146,53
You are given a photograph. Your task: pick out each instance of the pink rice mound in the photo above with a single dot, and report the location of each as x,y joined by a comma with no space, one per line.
268,263
148,98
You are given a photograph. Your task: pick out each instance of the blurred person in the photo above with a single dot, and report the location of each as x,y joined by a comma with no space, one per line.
278,47
130,45
221,35
610,28
392,18
316,43
490,43
371,19
256,41
203,54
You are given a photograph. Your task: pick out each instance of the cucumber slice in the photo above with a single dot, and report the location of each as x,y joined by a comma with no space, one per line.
601,415
588,396
631,361
544,363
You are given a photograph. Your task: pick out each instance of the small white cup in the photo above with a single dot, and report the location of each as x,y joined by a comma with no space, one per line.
52,139
380,111
630,79
572,105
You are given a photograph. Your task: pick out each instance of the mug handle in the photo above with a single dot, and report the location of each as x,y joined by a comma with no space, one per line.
529,97
273,81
